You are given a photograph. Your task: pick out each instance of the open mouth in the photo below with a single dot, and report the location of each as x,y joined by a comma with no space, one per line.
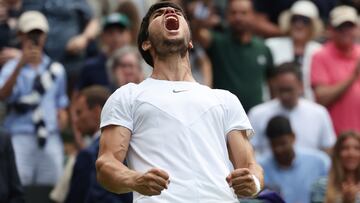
171,23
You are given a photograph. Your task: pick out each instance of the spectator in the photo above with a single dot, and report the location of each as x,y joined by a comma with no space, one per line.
10,187
83,186
239,59
335,71
9,12
34,87
73,26
129,9
342,184
311,122
291,170
124,66
302,24
268,13
115,34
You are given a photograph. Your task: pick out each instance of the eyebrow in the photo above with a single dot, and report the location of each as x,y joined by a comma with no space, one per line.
162,9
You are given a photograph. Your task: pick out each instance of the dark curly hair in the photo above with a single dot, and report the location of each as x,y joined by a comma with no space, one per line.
144,32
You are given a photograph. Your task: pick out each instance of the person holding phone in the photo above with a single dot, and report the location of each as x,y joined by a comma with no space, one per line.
34,89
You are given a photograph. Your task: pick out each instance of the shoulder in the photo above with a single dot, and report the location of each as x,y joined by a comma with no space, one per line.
314,156
277,41
224,96
264,108
124,91
313,107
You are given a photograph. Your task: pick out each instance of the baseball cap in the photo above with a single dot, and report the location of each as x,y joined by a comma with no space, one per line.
342,14
116,19
33,20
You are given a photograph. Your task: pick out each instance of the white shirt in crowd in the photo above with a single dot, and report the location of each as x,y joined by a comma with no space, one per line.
310,122
282,50
179,127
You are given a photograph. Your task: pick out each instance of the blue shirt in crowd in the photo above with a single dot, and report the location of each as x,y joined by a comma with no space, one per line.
294,183
53,99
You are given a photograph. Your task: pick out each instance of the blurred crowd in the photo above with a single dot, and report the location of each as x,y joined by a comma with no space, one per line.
294,65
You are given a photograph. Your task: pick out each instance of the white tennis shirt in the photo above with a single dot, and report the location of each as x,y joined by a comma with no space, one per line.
179,127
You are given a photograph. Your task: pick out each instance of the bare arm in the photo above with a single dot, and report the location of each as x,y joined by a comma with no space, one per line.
113,175
91,29
264,27
242,157
328,94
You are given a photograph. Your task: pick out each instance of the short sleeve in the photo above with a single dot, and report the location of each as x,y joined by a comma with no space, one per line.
62,100
328,136
319,74
236,118
117,109
5,74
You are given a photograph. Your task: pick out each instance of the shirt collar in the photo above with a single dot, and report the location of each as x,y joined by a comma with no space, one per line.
335,51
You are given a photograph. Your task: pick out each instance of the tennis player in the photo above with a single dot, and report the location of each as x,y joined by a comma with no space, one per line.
183,141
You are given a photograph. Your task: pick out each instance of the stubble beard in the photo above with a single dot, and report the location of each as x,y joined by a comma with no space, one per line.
167,47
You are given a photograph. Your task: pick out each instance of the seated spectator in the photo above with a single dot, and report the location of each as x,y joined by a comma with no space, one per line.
34,88
11,190
239,58
335,71
302,24
291,171
124,66
342,184
83,186
115,34
311,122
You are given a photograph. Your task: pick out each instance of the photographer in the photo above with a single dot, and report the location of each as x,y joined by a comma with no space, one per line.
33,87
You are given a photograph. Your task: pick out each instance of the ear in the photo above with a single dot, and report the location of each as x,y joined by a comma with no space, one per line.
146,45
190,46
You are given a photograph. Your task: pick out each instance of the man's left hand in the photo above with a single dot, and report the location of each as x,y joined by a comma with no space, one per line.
242,182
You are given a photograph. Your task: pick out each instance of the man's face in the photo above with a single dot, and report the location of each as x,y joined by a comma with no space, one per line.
115,37
169,32
127,69
86,119
282,148
288,89
344,35
35,37
240,15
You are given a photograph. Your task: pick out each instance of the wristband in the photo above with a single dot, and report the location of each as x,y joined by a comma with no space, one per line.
257,184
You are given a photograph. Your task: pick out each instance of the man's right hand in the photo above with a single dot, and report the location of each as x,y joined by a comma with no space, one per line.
151,183
31,54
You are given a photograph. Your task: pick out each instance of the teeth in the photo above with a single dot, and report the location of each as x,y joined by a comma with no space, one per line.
171,17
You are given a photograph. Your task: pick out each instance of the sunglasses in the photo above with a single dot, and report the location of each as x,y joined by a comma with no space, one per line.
302,19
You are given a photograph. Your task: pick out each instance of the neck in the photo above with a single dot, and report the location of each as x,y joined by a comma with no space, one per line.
299,46
172,68
346,50
244,37
287,163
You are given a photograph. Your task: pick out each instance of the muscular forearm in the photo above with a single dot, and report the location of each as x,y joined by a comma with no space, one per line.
6,90
328,94
91,30
115,176
242,155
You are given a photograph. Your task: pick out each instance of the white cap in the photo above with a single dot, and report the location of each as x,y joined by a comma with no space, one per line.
305,8
342,14
32,20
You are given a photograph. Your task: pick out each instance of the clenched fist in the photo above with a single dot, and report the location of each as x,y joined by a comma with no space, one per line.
242,182
152,182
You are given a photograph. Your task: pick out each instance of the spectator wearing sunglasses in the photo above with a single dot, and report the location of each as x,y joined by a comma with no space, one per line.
335,71
302,24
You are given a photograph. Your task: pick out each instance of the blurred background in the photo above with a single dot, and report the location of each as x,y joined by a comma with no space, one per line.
294,65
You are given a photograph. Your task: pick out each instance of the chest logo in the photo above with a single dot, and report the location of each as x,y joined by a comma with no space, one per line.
178,91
